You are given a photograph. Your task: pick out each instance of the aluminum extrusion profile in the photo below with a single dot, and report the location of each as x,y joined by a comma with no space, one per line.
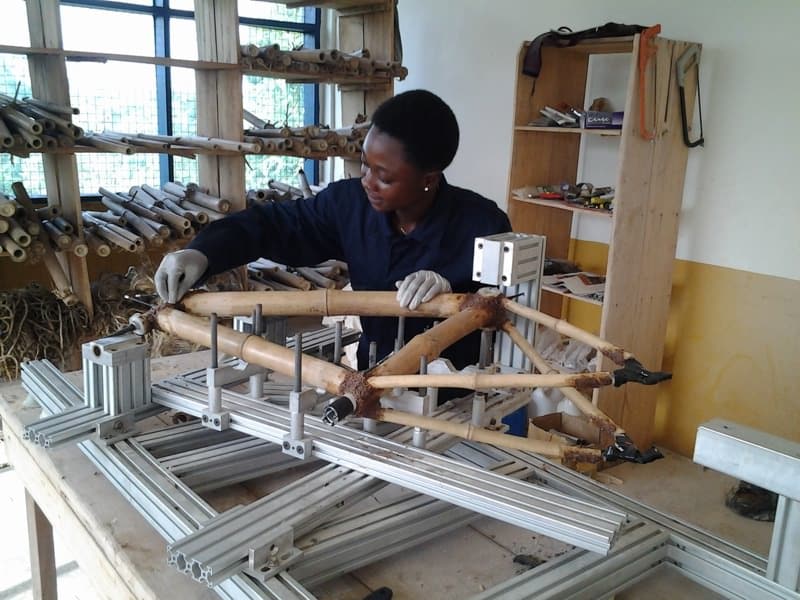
532,507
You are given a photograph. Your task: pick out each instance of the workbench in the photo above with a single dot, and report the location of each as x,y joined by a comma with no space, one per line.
124,557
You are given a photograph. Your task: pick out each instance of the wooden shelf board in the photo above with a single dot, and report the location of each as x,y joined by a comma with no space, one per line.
611,45
558,292
560,204
578,130
183,153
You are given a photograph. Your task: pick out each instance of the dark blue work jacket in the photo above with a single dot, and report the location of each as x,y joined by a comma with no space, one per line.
340,223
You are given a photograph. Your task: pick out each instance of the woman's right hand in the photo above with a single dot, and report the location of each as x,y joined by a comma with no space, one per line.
178,272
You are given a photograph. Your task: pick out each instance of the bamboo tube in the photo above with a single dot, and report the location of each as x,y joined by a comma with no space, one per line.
287,278
7,206
198,217
116,238
18,233
65,141
20,121
134,220
16,253
114,197
66,111
108,217
80,248
258,286
285,187
318,302
46,212
32,227
468,431
97,245
430,344
154,193
105,145
270,132
251,348
63,125
143,198
215,203
33,141
575,396
162,230
211,215
59,238
140,210
4,225
177,222
49,142
304,187
316,278
63,225
174,188
615,353
269,52
249,50
253,119
6,139
485,381
276,285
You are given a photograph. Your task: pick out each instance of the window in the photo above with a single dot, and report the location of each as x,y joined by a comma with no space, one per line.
131,98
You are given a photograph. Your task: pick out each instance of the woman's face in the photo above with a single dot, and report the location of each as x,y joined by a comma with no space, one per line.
391,182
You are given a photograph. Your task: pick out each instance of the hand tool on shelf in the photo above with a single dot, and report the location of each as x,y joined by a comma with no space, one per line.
690,58
647,50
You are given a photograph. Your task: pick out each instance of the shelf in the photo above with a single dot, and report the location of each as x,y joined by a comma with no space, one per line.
610,45
559,292
563,205
573,130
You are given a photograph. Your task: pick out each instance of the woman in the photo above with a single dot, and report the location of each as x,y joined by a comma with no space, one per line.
401,225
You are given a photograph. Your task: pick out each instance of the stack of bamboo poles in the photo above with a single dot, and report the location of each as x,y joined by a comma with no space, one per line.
278,191
265,275
311,141
35,125
149,217
329,65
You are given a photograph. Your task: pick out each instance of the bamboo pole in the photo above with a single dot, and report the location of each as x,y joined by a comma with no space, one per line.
430,343
485,381
7,206
254,349
318,302
468,431
583,404
16,253
615,353
97,245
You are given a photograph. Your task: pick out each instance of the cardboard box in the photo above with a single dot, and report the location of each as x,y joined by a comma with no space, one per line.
573,426
594,119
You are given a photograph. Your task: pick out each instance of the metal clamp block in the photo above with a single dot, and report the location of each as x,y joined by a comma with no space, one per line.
298,448
116,429
218,421
274,555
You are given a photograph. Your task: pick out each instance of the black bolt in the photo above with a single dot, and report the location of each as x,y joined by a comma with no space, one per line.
216,422
286,445
300,450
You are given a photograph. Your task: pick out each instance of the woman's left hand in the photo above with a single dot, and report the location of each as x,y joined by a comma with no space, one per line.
419,287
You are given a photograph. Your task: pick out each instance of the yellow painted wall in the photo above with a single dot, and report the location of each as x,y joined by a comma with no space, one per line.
733,346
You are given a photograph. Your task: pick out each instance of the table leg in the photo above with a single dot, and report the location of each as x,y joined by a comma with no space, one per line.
43,559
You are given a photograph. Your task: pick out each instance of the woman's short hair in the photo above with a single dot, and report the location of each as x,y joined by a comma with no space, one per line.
425,125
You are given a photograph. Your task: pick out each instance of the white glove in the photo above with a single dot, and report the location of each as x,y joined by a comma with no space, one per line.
178,272
420,287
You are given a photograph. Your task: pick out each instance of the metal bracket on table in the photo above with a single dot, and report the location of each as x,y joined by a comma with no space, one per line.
116,381
769,462
274,555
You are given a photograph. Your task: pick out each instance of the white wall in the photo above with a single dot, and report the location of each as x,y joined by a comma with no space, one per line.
741,205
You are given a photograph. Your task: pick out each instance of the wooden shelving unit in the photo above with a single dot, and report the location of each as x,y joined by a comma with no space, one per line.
649,191
219,94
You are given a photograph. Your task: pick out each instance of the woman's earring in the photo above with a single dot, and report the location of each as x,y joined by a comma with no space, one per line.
427,189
